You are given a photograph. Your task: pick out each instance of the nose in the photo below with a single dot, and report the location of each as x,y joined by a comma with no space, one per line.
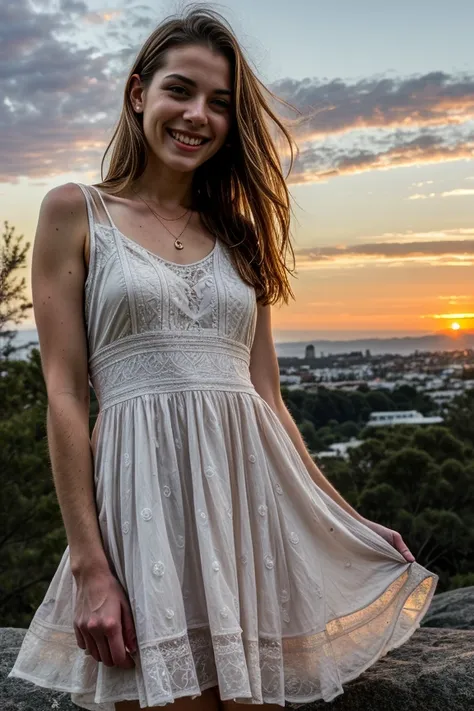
196,111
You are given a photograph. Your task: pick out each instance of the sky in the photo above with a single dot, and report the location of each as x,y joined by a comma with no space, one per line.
382,189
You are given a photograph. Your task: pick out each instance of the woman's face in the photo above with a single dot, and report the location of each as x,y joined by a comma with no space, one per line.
190,96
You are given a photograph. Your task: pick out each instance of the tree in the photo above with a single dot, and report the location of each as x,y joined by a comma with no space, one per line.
32,537
460,416
419,481
14,305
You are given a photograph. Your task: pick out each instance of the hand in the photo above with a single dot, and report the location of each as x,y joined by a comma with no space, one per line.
392,537
103,620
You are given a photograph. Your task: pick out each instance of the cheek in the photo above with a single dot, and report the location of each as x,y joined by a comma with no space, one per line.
161,113
222,126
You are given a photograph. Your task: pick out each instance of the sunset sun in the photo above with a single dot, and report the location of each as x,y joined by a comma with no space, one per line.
455,326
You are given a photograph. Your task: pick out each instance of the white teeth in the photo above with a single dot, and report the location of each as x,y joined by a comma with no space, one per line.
185,139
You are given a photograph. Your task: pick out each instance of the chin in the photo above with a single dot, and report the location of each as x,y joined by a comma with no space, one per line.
182,166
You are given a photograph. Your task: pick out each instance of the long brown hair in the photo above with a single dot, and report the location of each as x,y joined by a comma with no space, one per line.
240,192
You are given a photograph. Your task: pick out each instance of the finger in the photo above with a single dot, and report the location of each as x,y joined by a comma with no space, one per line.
128,627
81,642
118,644
103,646
404,550
91,647
120,656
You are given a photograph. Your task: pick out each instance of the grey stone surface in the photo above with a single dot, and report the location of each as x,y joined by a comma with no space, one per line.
453,609
19,695
433,671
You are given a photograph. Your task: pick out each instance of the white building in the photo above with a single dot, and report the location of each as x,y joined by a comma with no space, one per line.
339,449
401,417
293,379
441,397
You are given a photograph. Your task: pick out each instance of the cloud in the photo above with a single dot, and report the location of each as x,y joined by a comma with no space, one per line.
63,66
433,99
98,18
456,299
451,316
459,192
380,123
324,160
60,97
450,251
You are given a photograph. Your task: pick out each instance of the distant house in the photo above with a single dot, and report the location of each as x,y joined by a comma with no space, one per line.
339,449
442,397
401,417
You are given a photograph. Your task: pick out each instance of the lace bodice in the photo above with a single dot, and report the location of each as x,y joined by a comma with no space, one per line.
129,290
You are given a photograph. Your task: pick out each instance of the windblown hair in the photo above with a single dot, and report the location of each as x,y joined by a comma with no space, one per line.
240,192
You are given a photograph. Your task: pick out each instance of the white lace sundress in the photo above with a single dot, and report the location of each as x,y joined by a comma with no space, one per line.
241,572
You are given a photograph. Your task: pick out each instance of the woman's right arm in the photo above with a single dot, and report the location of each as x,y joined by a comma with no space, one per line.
58,275
103,622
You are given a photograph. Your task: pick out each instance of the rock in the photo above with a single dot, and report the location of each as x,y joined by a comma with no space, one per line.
433,671
453,609
19,695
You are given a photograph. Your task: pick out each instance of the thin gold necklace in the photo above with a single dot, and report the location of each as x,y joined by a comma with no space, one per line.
177,242
168,219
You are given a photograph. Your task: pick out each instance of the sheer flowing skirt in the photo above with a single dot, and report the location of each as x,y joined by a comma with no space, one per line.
240,571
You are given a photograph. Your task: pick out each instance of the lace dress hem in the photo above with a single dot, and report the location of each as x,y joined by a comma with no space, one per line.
292,671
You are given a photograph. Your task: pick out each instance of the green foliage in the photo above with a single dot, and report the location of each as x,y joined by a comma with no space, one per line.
417,480
32,539
460,417
421,483
14,305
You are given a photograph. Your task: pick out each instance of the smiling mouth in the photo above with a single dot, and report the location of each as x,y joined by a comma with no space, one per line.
186,140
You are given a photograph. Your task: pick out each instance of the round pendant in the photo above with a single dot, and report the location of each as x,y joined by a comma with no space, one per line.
178,244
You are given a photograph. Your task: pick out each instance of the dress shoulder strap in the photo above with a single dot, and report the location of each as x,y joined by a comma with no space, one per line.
96,208
94,217
103,210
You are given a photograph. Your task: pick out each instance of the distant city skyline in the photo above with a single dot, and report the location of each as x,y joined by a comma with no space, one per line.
383,188
297,347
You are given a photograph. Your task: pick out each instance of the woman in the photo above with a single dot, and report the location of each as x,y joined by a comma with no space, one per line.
210,564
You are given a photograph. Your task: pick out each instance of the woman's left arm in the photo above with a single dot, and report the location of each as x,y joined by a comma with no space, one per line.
265,376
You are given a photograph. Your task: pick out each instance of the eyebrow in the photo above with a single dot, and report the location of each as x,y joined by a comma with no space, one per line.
192,83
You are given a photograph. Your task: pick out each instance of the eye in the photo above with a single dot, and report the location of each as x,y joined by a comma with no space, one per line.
181,91
178,88
222,103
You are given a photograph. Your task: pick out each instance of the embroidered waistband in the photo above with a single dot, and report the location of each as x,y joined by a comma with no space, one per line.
161,361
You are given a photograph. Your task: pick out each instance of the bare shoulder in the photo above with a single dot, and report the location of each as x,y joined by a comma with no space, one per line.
65,204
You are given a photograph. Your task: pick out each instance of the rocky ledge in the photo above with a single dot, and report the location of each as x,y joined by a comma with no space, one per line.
433,671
